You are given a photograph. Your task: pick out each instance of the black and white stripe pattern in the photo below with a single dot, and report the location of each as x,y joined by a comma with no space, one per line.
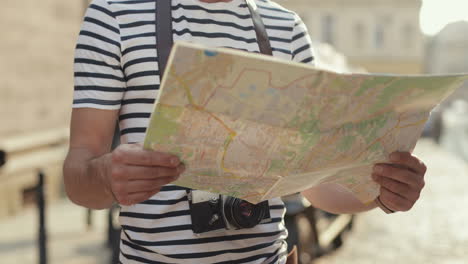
116,68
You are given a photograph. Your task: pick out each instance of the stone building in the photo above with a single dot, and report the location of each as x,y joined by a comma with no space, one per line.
379,35
447,53
36,51
448,50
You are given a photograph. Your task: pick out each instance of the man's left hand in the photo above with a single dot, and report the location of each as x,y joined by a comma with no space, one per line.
401,181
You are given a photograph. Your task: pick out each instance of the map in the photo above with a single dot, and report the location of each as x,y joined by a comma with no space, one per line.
256,127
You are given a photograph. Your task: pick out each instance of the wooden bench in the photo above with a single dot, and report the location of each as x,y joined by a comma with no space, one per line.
25,156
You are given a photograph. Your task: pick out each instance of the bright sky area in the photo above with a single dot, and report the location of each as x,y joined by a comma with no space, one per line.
435,14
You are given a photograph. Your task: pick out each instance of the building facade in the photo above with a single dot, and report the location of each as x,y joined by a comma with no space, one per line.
448,50
379,35
447,53
36,51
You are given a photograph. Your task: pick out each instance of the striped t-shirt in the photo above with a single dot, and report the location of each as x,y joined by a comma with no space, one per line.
116,68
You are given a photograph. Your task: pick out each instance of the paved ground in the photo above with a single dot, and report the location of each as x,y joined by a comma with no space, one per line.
433,232
69,240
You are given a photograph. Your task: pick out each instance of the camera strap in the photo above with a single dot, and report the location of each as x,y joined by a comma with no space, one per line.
262,35
164,38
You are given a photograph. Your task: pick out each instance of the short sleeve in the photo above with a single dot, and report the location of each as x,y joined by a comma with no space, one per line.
302,50
98,76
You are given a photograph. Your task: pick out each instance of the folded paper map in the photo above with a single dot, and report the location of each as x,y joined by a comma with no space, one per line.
256,127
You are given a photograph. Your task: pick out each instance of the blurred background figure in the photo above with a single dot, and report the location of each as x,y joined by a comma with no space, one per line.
384,36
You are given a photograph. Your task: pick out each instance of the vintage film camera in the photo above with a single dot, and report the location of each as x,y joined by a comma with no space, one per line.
211,211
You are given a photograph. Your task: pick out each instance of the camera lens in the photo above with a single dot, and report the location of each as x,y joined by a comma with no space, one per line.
242,214
246,209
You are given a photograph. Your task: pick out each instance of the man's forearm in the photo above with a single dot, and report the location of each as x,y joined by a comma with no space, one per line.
335,199
84,179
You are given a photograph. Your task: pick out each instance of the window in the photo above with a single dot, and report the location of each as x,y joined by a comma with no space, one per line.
359,35
328,25
408,36
379,37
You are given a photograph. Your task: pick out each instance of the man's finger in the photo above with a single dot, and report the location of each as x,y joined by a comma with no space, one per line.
131,172
402,175
408,160
394,201
397,187
135,198
148,185
135,155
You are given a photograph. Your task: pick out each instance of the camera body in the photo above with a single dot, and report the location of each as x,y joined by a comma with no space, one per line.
211,212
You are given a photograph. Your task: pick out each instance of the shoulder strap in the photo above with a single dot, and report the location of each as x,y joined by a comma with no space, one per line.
164,39
262,35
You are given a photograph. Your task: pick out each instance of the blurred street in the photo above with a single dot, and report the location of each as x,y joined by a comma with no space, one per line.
433,232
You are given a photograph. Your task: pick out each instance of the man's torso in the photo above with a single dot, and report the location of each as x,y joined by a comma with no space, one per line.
159,229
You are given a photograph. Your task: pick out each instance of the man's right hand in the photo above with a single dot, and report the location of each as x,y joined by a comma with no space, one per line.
134,174
95,178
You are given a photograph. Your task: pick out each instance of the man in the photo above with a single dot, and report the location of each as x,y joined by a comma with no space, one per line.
117,78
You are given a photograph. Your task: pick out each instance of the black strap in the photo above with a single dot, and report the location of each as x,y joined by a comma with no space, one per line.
262,35
164,39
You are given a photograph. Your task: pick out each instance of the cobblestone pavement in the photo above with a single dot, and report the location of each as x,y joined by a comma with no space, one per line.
433,232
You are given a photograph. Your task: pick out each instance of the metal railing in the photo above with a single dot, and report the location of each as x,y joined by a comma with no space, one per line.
2,158
24,161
